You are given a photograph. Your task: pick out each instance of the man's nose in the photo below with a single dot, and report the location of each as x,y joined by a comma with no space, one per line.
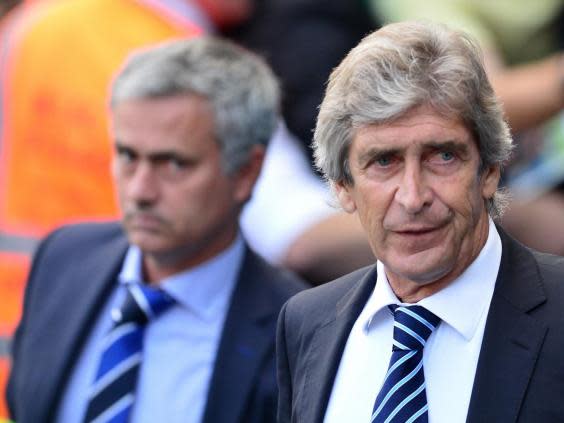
143,184
413,192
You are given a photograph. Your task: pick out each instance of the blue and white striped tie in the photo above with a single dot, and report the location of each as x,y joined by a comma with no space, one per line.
113,392
403,397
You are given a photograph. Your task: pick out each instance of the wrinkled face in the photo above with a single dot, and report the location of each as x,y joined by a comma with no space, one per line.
420,195
176,200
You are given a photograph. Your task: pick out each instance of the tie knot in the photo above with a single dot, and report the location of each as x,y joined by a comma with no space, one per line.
142,303
412,326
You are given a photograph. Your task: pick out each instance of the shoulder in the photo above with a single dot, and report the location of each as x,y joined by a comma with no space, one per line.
331,292
551,270
305,313
70,258
526,273
533,281
84,231
549,264
321,302
84,234
73,244
277,282
520,261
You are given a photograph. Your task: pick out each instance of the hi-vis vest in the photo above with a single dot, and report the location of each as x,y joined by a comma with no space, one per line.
57,58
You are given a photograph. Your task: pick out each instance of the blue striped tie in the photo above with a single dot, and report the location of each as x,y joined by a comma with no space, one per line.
113,392
403,397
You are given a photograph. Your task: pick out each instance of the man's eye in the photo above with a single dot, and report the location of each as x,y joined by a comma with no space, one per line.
126,156
172,167
446,155
177,164
383,161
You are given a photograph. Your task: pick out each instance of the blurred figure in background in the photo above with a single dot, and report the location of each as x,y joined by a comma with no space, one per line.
523,50
190,122
56,61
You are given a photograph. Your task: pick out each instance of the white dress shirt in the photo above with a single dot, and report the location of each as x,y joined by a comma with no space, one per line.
449,357
179,346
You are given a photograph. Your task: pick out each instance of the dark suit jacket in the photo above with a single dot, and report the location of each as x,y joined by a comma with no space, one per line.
520,373
74,271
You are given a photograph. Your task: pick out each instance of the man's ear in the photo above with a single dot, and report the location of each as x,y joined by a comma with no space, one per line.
247,175
490,181
345,197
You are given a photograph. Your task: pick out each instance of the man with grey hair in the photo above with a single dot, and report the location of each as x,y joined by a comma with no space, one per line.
455,321
169,316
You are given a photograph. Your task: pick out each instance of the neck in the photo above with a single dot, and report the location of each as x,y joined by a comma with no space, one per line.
411,292
157,267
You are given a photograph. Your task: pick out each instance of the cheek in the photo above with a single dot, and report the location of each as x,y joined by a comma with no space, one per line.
119,190
461,197
373,209
202,199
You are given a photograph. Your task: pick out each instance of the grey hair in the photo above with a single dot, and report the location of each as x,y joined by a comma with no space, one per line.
397,68
240,87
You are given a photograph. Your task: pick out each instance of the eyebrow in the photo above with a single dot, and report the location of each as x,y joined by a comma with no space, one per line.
155,156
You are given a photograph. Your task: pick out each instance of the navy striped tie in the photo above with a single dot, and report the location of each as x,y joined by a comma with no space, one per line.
113,392
403,397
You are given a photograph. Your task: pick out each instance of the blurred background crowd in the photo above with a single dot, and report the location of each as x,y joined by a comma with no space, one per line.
57,58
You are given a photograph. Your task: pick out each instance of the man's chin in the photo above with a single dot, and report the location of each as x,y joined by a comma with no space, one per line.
148,243
421,268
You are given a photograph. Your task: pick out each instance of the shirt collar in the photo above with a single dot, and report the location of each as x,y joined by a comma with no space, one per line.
461,304
202,289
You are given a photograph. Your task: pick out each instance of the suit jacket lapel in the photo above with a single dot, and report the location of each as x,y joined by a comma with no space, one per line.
327,348
512,339
91,288
247,337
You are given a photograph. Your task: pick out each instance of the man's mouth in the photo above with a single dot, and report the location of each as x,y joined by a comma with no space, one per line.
417,230
144,221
